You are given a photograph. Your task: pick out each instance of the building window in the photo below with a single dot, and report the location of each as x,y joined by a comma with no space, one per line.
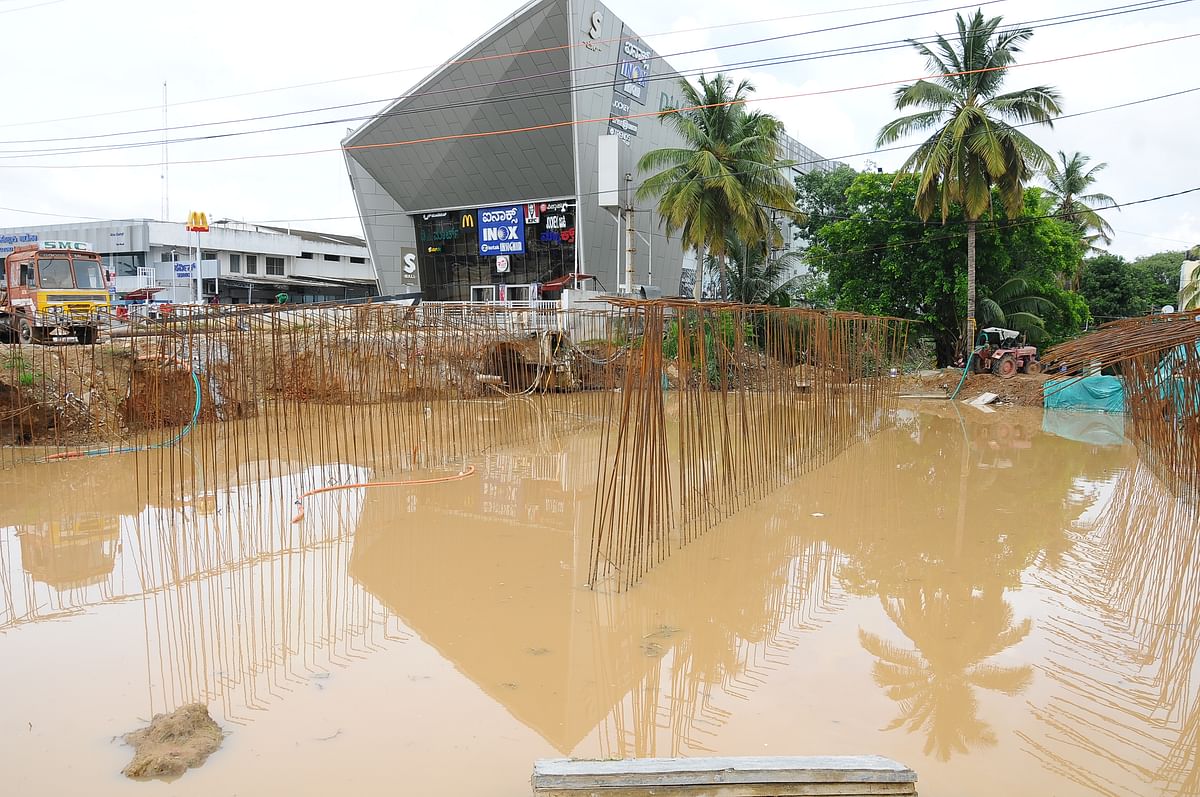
235,264
306,256
166,257
358,260
127,264
251,264
208,255
334,258
275,266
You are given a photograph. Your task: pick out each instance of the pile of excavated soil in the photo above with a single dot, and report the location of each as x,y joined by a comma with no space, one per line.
173,743
1021,390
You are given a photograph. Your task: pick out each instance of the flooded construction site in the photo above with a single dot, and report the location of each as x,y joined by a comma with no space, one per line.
403,551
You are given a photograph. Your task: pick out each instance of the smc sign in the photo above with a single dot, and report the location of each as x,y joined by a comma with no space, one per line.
502,230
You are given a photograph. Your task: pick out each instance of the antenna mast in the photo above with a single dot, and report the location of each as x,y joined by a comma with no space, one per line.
166,202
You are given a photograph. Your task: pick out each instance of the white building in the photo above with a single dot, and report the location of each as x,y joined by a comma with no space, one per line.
240,263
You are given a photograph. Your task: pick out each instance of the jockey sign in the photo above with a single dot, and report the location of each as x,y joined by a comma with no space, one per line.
502,230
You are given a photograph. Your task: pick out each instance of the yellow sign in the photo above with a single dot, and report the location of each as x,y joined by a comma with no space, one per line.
468,220
197,222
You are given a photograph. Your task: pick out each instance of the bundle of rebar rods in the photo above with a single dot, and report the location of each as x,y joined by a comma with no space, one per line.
721,404
1158,357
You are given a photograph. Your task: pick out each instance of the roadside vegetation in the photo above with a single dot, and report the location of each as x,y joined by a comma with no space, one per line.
979,227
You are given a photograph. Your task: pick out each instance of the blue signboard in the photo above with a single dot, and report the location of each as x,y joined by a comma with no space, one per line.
184,270
502,230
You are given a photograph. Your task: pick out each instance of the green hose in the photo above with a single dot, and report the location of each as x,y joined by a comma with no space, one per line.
966,370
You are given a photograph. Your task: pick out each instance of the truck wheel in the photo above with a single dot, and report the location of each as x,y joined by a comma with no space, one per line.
1005,367
26,334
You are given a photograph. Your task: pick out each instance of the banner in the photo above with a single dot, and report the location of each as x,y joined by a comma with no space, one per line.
502,230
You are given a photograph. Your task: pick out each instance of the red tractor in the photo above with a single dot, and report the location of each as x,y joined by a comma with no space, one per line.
1004,353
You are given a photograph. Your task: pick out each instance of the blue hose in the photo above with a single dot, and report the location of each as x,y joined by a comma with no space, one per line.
98,452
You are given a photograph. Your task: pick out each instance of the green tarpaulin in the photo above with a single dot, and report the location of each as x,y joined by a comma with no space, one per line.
1090,394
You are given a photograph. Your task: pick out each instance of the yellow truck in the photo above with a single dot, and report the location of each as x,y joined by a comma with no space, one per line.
50,291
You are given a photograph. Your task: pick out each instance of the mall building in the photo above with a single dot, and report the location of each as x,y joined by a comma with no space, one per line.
456,206
240,263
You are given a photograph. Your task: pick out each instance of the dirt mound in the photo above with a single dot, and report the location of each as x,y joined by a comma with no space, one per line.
173,743
1022,390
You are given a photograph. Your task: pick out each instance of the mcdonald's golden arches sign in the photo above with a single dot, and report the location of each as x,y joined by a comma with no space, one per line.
468,220
197,222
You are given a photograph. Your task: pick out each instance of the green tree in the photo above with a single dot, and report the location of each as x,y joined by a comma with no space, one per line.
1115,288
881,258
725,177
821,198
757,276
1017,304
974,145
1069,180
1158,279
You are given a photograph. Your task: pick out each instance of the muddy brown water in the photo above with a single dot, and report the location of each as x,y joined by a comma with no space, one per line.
1007,603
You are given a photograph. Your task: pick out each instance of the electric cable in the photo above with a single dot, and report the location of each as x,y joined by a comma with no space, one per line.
581,122
859,49
450,62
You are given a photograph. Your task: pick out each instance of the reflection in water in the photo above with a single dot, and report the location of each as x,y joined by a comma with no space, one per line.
639,670
935,683
950,534
993,592
1130,704
237,602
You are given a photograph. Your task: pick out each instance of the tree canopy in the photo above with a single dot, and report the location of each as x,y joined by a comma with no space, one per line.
879,257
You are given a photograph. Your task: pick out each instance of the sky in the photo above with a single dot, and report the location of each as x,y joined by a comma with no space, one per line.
103,68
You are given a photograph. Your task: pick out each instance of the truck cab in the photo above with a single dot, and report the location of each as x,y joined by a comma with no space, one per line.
52,290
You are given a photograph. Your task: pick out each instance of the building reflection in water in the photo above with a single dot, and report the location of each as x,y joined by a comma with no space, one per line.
635,671
938,522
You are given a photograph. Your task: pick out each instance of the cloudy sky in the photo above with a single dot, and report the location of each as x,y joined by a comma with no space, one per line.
102,72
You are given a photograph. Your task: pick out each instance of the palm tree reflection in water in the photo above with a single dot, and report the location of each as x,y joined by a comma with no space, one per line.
954,633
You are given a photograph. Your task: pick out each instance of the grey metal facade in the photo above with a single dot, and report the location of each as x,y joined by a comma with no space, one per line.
555,66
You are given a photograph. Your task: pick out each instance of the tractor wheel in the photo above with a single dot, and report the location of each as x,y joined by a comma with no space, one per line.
977,365
27,335
1033,367
1005,367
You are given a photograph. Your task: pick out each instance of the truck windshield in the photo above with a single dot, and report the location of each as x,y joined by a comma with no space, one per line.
55,272
87,274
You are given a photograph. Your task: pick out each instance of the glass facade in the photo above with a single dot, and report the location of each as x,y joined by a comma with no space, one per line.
448,250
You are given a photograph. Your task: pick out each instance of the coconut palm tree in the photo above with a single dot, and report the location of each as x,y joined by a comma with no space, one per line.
1016,305
726,175
975,144
758,277
1069,178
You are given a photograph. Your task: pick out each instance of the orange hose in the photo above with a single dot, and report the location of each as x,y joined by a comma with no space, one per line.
470,469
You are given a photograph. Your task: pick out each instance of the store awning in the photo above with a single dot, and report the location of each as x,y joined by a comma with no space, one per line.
141,294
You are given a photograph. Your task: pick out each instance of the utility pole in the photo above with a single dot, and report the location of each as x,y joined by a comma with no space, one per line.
199,284
630,235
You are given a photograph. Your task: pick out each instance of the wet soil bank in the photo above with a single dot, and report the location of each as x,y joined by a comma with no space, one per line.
1021,390
173,743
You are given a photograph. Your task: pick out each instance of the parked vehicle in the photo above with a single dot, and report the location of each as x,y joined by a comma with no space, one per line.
1004,353
50,291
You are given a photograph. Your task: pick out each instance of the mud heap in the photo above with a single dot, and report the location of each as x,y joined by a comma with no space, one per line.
173,743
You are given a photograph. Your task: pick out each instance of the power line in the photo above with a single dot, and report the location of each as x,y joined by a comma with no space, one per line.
580,122
313,84
491,84
809,163
1045,22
